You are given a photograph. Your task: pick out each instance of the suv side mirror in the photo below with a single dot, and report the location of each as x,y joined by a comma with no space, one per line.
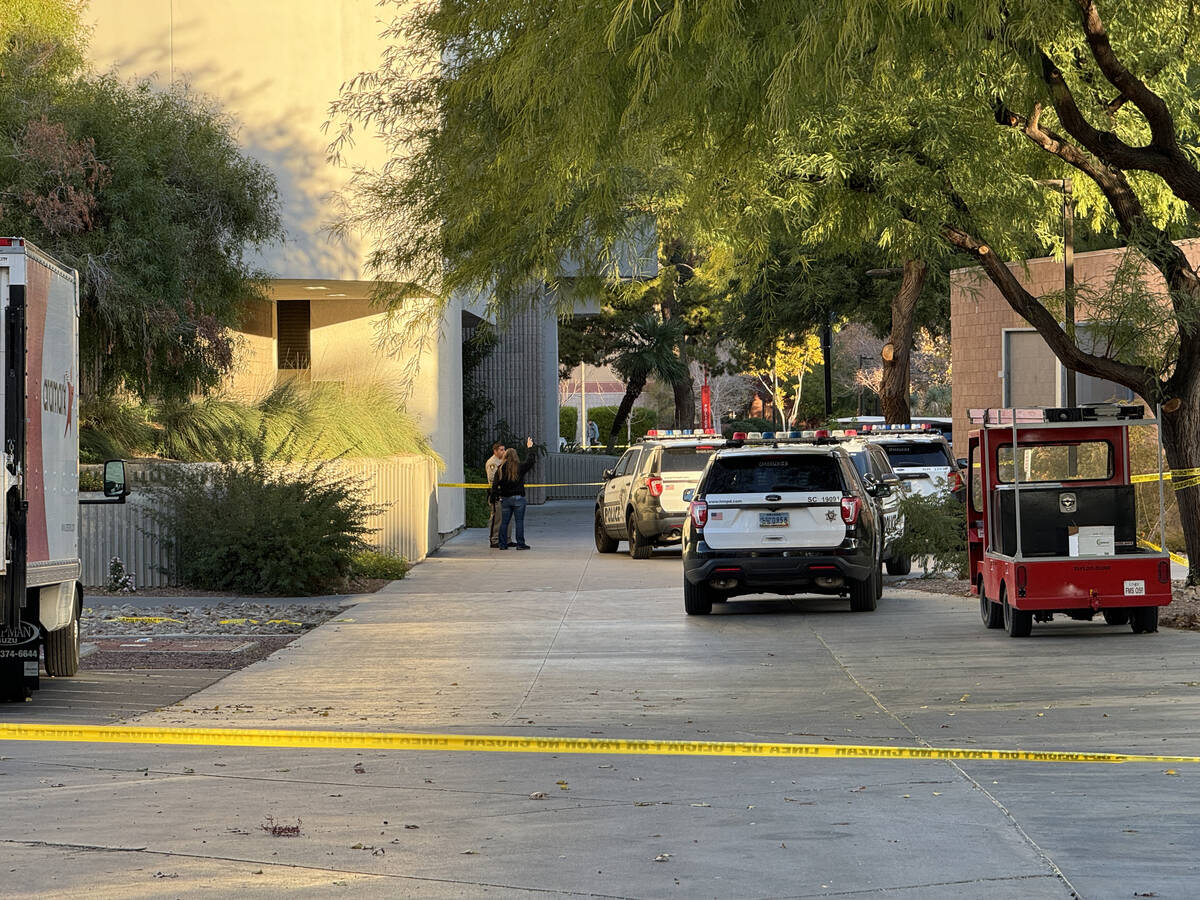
688,495
608,473
871,483
114,479
962,462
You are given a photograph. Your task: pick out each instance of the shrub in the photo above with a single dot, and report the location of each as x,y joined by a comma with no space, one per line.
263,526
641,420
935,527
373,564
749,425
478,509
568,424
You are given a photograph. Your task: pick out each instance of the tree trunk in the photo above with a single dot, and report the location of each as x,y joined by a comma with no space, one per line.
685,394
633,390
1181,443
893,389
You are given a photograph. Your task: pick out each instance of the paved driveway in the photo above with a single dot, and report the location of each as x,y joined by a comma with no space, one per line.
562,641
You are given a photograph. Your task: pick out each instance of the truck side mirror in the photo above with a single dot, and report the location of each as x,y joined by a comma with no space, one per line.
688,495
114,479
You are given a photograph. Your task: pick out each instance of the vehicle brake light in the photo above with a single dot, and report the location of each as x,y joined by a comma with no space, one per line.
1164,572
699,510
655,484
956,480
851,507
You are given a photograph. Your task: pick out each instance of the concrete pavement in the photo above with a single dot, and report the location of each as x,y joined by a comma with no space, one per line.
563,641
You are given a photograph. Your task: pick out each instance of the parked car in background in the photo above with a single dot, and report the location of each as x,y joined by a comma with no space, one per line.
875,470
781,516
641,500
920,456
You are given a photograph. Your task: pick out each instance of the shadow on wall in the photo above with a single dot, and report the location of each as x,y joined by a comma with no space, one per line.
289,142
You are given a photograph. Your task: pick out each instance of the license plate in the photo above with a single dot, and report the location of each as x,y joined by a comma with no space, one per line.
1135,589
772,520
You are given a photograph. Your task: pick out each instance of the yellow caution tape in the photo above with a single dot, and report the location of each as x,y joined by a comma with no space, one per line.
1180,478
562,484
1175,557
152,620
352,740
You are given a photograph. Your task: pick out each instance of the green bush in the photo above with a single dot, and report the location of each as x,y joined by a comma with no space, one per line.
568,424
263,526
935,527
749,425
478,509
641,421
373,564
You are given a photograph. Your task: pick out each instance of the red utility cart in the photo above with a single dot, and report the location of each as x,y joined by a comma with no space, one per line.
1052,519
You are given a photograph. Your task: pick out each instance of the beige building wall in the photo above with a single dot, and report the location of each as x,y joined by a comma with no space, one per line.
979,317
274,66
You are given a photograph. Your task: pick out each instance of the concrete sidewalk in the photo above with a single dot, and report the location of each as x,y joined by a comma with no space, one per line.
562,641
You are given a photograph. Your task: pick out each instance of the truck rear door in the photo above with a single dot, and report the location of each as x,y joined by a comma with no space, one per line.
783,500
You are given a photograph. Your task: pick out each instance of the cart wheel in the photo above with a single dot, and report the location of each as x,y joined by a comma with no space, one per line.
1018,623
991,613
1115,616
1143,619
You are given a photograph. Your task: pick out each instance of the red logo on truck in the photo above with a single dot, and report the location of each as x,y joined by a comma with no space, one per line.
59,397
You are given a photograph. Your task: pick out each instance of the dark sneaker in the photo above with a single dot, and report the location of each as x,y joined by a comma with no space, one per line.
522,546
494,546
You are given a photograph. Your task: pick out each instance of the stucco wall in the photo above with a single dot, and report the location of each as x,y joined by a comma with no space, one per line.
274,66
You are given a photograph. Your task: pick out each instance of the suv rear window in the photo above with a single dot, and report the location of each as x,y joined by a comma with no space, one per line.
923,455
685,459
762,474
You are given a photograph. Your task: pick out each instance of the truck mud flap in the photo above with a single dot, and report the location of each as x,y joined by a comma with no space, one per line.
19,661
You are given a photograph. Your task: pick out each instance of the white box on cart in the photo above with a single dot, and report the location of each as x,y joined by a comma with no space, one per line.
1091,540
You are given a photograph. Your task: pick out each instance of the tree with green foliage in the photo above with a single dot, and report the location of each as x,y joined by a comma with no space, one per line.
648,348
146,193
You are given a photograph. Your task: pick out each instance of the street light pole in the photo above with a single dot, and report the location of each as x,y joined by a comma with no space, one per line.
1064,186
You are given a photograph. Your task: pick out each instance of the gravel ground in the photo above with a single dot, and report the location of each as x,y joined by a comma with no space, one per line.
178,635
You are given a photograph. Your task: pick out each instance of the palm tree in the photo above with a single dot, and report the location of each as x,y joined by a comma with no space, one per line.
647,349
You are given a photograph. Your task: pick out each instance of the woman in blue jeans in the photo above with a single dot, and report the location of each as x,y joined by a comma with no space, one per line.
509,485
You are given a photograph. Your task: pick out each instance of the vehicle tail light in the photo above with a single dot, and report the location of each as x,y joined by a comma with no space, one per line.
851,507
655,484
1164,572
699,510
956,480
1022,580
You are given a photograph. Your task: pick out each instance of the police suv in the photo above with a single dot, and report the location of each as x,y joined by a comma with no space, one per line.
641,500
782,515
921,457
875,470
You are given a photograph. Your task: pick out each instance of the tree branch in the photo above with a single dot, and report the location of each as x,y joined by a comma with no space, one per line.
1152,106
1140,378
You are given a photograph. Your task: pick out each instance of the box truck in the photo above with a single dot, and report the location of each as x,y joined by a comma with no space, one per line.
40,594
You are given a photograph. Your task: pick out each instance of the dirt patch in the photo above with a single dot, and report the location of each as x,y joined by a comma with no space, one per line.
260,647
1183,613
352,586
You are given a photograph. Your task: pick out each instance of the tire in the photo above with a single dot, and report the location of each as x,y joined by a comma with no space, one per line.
1115,616
1143,619
865,594
62,647
1017,622
639,548
991,613
899,565
604,543
697,599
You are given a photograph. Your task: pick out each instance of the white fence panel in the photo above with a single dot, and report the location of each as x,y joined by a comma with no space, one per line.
406,486
582,470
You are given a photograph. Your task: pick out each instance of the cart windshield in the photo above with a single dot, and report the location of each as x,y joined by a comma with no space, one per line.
1073,461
